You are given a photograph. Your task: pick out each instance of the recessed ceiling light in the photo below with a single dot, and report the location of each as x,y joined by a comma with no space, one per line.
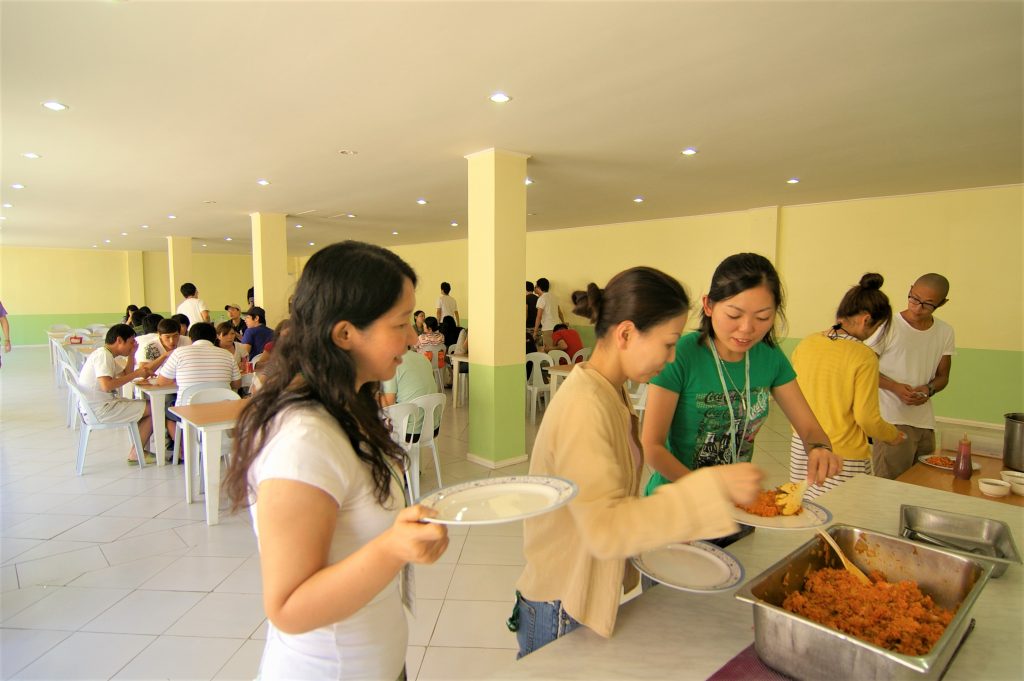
528,182
350,215
298,226
55,106
689,151
124,233
17,186
638,199
208,201
8,205
204,245
227,238
454,223
143,226
348,152
263,183
95,245
106,241
312,243
3,217
394,233
500,98
422,202
172,217
793,180
31,154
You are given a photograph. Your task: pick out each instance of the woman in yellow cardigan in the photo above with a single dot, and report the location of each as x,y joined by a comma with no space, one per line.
838,375
576,556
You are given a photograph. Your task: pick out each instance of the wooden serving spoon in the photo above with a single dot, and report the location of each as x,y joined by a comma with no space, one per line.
847,563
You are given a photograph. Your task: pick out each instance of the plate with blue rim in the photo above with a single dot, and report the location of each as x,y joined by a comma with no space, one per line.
698,566
492,501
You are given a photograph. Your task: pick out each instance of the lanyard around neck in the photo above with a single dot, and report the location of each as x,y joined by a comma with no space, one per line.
733,442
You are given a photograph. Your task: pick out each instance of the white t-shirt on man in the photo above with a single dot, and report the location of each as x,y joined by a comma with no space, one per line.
193,308
307,445
150,347
99,363
911,356
447,305
547,308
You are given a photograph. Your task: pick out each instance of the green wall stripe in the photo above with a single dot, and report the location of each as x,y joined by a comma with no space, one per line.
497,427
30,329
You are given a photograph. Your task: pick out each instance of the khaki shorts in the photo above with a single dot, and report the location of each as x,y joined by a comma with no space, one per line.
892,461
119,410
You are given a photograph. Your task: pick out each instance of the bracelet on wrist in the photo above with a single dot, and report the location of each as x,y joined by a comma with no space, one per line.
818,445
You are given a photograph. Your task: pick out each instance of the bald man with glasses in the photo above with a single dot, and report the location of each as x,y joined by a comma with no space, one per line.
915,355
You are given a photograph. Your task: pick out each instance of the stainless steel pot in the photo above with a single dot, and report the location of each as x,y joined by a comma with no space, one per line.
1013,441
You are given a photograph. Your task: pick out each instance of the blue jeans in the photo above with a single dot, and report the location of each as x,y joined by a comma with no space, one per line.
540,623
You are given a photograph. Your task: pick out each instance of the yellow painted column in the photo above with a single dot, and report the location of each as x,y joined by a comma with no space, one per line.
497,267
179,268
136,277
270,265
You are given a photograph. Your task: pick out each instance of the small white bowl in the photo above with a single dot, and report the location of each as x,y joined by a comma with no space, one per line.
1012,476
1017,488
993,488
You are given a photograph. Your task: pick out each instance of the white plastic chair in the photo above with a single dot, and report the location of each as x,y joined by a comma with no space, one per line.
98,329
582,355
557,357
56,335
535,386
461,377
66,359
435,353
198,394
184,398
91,423
403,416
433,412
257,358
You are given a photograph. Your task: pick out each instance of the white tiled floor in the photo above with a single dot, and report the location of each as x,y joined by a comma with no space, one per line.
112,575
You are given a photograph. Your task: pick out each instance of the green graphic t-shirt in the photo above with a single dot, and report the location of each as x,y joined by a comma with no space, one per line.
699,434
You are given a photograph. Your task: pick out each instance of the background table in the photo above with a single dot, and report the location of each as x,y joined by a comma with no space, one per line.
558,373
457,359
669,634
157,396
936,478
211,420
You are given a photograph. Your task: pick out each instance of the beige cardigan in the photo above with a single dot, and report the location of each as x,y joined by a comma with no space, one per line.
577,554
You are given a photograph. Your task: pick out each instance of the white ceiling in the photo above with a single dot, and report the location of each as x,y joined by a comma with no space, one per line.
177,104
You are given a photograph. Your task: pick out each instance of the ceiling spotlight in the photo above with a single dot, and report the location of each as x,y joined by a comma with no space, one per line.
422,202
454,223
31,154
172,217
638,199
528,182
124,233
143,226
500,98
348,152
8,205
263,183
227,238
95,246
55,106
208,201
204,245
312,243
298,226
106,241
350,215
793,180
17,186
689,151
394,233
530,214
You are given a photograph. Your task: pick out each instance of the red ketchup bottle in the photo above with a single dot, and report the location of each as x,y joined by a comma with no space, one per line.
962,468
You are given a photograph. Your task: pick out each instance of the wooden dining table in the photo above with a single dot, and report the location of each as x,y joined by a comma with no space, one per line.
558,373
937,478
211,420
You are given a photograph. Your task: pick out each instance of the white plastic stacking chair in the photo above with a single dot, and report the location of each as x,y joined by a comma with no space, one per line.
461,377
435,353
403,416
433,412
582,355
99,329
535,386
557,357
56,335
184,398
91,423
71,415
257,358
197,394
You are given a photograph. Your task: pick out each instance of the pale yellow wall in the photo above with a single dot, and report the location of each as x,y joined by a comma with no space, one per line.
437,262
972,236
55,280
155,274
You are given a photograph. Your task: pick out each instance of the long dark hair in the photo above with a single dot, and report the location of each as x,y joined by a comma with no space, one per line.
867,297
642,295
350,281
739,273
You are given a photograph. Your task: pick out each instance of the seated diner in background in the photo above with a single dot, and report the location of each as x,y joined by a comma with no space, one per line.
226,340
256,334
235,319
413,378
101,378
155,347
565,339
432,336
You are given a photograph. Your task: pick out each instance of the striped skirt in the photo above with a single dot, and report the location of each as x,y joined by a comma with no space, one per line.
798,469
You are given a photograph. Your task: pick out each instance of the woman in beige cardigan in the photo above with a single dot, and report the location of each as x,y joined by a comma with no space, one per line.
576,556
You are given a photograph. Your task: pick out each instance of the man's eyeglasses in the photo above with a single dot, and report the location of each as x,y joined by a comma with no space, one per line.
917,302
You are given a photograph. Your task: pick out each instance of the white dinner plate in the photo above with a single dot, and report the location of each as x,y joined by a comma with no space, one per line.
698,566
974,464
813,515
491,501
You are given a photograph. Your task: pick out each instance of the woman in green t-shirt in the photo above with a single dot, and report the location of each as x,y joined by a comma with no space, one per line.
705,408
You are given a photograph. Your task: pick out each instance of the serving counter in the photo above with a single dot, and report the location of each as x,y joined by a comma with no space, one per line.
669,634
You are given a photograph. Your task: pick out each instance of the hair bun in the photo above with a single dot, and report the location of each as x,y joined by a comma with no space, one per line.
872,280
588,303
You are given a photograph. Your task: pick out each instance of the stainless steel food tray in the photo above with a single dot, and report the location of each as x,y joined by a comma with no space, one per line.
804,649
964,535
